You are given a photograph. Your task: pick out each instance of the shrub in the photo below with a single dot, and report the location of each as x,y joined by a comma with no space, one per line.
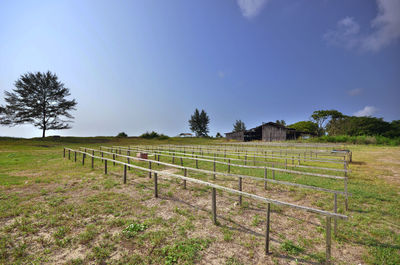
153,135
122,135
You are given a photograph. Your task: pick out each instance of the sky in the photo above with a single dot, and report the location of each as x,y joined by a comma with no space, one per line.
137,66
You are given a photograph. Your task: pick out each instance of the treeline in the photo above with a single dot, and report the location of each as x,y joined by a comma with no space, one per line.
333,126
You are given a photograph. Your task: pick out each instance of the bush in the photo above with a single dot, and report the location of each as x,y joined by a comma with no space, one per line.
361,139
122,135
153,135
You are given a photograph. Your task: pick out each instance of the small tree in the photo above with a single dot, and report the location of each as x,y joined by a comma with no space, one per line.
239,126
38,99
198,123
218,135
281,122
122,135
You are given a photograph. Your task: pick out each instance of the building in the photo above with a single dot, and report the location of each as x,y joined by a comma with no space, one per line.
185,135
267,132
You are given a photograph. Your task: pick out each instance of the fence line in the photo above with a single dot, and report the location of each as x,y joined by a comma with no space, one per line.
157,173
248,160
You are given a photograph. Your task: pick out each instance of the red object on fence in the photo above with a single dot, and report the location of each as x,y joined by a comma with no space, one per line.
141,155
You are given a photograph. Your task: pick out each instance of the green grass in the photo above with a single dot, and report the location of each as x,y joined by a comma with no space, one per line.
50,205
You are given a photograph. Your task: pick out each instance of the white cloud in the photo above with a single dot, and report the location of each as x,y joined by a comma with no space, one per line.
251,8
354,92
366,111
385,29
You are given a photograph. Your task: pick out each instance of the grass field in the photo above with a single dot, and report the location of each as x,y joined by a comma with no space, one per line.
55,211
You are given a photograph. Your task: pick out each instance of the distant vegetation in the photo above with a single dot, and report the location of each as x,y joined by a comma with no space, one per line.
122,135
153,135
333,126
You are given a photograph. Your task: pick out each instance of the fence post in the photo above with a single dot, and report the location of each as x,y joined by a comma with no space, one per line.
240,189
335,211
229,165
214,205
124,174
181,161
102,155
83,159
197,162
69,154
75,156
184,181
265,178
64,153
114,159
155,185
105,166
346,201
92,161
267,229
149,168
273,172
214,168
328,240
173,158
245,159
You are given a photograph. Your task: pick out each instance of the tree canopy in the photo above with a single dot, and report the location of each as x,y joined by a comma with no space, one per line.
198,123
239,126
305,126
321,117
39,99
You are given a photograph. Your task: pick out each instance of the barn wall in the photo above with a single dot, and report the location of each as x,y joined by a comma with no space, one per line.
273,133
239,136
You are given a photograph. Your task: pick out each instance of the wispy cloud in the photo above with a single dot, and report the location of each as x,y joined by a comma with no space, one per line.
384,29
221,74
354,92
251,8
366,111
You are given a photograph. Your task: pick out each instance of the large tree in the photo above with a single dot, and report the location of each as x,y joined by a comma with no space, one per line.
321,117
39,99
239,126
198,123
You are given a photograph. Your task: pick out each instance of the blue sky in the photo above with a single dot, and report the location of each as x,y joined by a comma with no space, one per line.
145,65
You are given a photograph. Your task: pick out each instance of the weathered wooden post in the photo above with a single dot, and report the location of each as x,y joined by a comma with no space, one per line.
273,172
155,185
173,158
113,159
214,168
69,154
240,189
83,159
245,159
267,229
214,205
346,199
150,169
184,181
197,162
125,174
64,153
265,178
229,165
102,155
181,162
328,240
335,211
105,166
92,161
75,156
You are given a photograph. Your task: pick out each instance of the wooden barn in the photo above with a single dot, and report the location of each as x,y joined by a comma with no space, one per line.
267,132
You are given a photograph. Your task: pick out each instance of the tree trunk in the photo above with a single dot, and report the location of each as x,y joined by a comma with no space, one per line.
44,133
